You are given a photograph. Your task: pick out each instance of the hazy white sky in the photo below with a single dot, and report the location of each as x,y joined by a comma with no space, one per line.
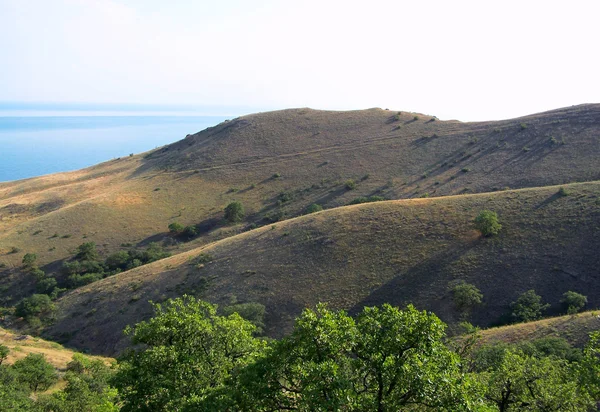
469,60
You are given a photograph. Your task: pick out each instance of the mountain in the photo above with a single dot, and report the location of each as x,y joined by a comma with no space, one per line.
437,175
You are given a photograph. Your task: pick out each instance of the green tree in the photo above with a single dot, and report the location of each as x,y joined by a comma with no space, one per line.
29,260
386,360
117,260
46,285
34,305
190,231
466,296
175,227
251,311
528,307
14,395
527,383
35,372
87,388
487,223
184,354
234,212
313,208
87,251
573,302
4,351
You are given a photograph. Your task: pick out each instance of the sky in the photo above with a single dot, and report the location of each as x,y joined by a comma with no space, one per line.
466,60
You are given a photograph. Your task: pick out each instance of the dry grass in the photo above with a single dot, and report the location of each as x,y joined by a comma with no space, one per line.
574,328
117,202
398,252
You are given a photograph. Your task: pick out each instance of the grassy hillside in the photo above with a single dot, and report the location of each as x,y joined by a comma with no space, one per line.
574,328
277,164
22,345
398,252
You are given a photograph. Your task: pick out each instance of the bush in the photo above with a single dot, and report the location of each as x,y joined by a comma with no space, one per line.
36,372
234,212
314,208
4,351
252,311
175,227
29,260
46,286
487,223
87,251
190,231
465,296
573,302
350,184
34,305
77,280
563,192
117,260
528,307
364,199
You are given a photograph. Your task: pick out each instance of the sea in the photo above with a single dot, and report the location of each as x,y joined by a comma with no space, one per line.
39,141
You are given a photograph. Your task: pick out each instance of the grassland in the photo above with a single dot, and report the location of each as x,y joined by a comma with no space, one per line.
440,173
403,251
574,328
131,201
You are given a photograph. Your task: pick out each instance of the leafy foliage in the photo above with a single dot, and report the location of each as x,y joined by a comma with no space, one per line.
528,307
36,372
466,296
188,354
234,212
175,227
573,302
487,223
313,208
34,305
385,360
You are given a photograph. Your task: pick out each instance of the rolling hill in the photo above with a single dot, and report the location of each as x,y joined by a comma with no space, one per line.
404,251
440,173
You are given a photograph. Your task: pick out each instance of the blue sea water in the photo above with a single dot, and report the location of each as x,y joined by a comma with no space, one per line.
37,145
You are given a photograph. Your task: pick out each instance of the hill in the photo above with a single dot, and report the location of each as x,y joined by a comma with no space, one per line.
574,328
396,251
276,164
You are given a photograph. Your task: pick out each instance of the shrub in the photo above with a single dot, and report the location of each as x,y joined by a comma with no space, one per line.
563,192
38,274
117,260
465,296
4,351
175,227
29,260
190,231
573,302
36,372
487,223
364,199
77,280
34,305
46,285
314,208
528,307
350,184
276,175
87,251
234,212
252,311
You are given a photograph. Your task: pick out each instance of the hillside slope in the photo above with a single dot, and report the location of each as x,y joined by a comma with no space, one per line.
278,163
398,252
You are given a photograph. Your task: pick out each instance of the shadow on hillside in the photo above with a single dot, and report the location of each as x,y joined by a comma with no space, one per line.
424,282
549,200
